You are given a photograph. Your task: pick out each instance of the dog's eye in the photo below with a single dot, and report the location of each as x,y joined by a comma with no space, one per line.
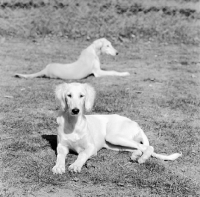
81,96
69,95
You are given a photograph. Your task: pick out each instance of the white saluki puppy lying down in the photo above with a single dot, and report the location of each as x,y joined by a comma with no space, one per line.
88,63
87,134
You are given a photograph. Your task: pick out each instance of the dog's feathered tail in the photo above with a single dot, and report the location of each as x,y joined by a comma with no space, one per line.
167,157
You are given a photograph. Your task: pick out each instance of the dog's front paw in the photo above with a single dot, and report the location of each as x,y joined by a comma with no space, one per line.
75,167
58,169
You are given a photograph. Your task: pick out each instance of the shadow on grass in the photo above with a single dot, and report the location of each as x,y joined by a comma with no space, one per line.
52,139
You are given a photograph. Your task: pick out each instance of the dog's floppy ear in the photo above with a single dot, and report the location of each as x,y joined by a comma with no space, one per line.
98,43
60,94
89,97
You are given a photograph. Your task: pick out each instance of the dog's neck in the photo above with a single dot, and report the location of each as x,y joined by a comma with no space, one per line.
74,123
97,50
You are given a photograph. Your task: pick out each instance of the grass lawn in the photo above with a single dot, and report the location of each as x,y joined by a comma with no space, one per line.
162,94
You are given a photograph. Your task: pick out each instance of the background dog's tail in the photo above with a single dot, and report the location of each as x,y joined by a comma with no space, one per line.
38,74
167,157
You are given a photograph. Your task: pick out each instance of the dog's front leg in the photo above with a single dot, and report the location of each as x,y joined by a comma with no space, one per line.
62,151
101,73
82,158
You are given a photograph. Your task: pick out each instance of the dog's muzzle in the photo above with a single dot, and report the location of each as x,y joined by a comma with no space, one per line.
75,111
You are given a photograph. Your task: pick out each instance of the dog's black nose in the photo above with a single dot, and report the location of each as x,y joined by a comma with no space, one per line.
75,111
117,53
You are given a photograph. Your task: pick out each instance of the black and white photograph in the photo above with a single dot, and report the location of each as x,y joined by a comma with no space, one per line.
99,98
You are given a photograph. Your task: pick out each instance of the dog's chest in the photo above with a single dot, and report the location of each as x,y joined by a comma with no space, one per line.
75,141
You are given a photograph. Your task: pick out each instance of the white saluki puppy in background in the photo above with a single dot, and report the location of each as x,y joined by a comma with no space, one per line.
88,63
87,134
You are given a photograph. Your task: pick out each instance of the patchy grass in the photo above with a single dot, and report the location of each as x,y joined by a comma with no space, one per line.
161,95
166,21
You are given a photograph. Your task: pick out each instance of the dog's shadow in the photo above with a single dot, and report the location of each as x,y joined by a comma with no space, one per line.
52,139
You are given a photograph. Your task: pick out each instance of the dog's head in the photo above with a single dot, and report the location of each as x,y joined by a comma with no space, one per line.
102,45
75,97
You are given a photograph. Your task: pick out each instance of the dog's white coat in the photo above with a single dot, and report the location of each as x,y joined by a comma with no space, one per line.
87,134
88,63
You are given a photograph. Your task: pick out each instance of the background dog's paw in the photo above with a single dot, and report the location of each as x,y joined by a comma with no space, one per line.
75,167
58,169
125,74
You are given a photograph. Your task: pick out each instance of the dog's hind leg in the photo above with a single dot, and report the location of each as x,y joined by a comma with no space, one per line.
136,154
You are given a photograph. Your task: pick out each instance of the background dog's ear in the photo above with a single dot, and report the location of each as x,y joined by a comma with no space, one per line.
60,94
98,44
90,97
